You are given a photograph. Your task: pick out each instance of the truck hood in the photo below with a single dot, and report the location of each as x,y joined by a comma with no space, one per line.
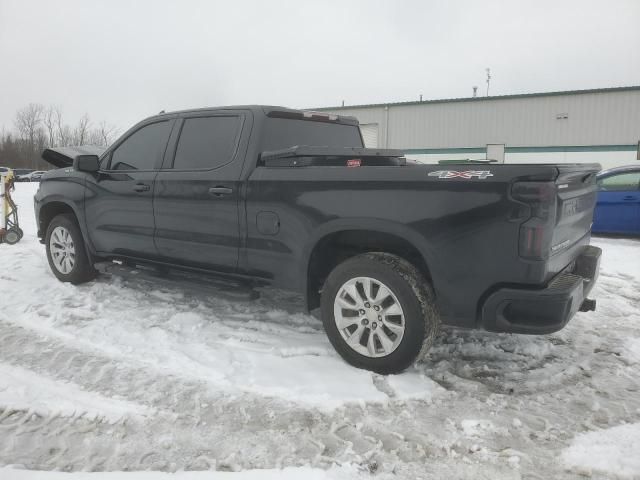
63,157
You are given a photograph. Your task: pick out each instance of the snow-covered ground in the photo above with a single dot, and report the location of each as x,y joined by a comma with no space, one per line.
289,473
141,372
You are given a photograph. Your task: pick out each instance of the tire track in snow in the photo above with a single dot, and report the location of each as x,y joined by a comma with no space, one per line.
199,428
194,428
194,414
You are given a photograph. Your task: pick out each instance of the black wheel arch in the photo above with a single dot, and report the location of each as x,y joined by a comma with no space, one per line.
413,292
49,210
333,247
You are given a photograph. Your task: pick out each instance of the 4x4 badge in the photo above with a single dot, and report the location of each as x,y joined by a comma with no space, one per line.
446,174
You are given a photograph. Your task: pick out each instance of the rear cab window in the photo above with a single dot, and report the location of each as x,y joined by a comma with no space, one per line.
207,143
281,133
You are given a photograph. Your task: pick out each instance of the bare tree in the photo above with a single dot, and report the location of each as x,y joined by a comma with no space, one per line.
103,135
40,143
28,122
63,131
38,127
107,133
81,132
49,120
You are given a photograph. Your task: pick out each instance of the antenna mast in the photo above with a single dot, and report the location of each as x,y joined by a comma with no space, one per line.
488,80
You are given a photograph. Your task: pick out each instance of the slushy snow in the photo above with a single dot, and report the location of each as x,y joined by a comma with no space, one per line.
614,451
305,473
23,389
144,376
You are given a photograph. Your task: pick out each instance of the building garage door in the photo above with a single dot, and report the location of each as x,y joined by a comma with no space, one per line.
370,134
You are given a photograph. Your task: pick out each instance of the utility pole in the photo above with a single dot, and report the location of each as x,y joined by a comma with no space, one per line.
488,80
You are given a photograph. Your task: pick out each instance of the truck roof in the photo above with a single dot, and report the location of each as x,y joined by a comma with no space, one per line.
271,111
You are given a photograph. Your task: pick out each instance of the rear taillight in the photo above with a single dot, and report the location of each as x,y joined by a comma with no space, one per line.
536,233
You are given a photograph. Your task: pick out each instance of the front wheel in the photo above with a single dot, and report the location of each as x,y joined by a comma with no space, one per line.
379,312
66,252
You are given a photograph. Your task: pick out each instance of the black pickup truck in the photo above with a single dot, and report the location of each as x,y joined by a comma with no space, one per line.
387,248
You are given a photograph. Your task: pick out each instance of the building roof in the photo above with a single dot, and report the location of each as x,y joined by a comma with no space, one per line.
481,99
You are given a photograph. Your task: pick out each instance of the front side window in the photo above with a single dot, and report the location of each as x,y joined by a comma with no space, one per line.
620,183
143,150
207,142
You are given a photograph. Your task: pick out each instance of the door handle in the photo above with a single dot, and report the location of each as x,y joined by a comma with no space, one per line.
141,187
220,191
629,198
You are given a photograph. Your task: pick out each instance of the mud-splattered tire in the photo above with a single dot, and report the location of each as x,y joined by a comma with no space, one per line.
401,326
67,238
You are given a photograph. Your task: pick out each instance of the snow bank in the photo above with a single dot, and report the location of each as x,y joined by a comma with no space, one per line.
612,451
23,389
306,473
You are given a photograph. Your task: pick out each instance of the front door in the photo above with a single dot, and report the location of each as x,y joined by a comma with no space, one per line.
618,208
197,194
119,199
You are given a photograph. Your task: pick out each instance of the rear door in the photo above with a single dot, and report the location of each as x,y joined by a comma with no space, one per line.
119,199
197,196
618,207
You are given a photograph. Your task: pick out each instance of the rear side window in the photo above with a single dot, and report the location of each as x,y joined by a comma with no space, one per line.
280,133
143,150
207,142
621,182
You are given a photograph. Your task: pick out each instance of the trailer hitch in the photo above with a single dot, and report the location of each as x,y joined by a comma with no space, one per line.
588,305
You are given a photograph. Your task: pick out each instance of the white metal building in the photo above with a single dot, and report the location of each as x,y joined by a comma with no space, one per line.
600,125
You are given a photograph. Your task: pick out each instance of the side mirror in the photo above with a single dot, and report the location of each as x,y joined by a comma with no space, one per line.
86,163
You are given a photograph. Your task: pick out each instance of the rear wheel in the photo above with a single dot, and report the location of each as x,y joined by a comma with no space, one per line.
66,251
378,312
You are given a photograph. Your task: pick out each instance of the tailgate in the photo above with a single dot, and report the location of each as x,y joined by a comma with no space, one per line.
576,199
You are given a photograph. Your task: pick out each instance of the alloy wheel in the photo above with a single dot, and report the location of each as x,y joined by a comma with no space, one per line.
62,248
369,317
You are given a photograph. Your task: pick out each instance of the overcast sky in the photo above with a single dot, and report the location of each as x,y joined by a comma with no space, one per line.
122,60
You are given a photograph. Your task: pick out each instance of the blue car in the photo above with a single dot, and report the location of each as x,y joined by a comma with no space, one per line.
618,206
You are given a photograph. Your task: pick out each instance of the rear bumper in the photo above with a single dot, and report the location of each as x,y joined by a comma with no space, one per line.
545,310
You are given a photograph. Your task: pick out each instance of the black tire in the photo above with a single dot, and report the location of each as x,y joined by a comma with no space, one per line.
82,270
415,295
12,236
